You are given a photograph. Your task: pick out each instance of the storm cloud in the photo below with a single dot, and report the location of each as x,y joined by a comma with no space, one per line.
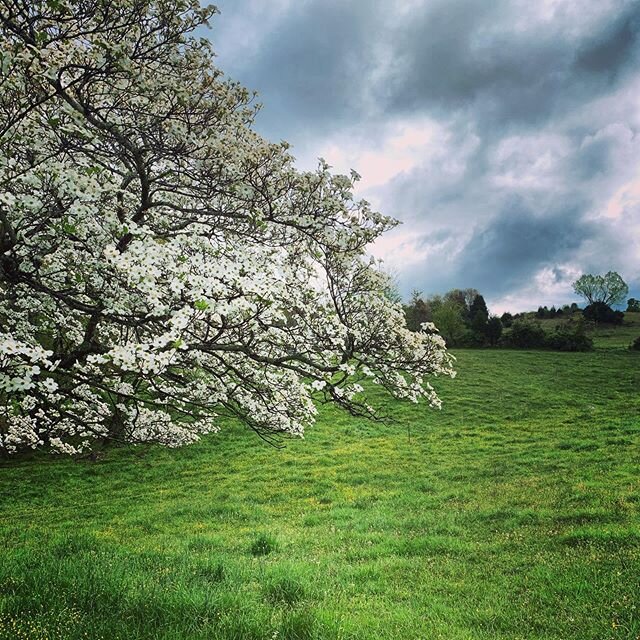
504,135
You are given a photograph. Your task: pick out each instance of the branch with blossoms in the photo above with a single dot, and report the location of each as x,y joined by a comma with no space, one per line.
162,266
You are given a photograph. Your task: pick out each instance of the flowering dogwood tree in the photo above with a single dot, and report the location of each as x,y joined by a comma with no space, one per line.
161,265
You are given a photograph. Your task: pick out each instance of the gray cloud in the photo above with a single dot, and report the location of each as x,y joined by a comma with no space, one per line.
614,47
318,62
535,105
454,57
312,67
466,56
501,256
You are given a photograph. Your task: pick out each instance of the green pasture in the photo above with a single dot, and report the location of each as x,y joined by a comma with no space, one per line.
607,336
512,513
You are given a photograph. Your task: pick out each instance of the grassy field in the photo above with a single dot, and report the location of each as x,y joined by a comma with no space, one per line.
512,513
606,336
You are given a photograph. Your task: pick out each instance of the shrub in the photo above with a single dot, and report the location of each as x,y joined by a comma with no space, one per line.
601,312
635,345
525,334
470,339
633,305
570,336
507,319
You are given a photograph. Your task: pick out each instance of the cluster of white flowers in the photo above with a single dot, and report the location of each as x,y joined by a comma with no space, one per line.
25,375
161,265
21,366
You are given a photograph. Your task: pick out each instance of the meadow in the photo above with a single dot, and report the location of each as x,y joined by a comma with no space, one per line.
512,513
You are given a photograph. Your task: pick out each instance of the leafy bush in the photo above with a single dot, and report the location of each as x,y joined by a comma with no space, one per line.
507,319
471,339
601,312
635,345
570,336
633,305
525,334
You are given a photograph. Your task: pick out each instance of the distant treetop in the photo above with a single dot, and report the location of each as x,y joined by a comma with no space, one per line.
609,289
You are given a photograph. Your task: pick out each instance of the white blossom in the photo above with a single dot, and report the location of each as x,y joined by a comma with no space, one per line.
161,265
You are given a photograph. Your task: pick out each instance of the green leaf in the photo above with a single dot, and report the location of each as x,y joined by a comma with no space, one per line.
201,305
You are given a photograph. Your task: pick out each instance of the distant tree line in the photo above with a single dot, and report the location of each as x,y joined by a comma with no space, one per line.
463,319
461,316
544,313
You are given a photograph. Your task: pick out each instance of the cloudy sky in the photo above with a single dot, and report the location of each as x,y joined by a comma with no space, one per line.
504,134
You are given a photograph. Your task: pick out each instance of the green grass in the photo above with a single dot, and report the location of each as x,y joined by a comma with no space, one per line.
606,336
512,513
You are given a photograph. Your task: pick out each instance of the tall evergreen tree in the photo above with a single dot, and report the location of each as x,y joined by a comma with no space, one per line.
479,316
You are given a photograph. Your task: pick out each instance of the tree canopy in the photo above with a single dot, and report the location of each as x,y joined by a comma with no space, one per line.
161,264
633,305
608,289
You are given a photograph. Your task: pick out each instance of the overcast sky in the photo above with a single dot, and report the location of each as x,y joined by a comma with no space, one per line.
503,134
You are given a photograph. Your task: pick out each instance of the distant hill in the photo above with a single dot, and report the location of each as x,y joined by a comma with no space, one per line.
604,336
